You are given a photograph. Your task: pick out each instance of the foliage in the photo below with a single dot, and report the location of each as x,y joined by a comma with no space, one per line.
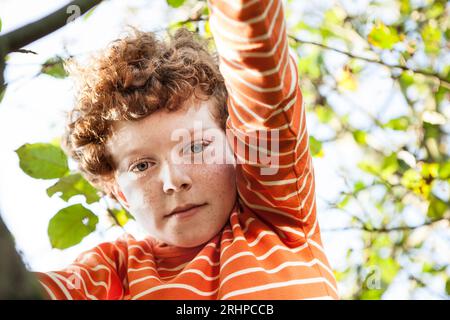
71,224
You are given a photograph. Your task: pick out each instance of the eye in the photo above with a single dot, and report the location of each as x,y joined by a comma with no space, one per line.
140,167
198,147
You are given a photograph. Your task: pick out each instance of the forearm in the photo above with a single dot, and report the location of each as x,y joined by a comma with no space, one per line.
252,43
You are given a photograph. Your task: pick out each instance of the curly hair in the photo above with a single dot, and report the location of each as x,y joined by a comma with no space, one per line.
129,80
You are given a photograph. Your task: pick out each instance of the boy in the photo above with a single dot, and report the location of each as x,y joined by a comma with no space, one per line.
218,228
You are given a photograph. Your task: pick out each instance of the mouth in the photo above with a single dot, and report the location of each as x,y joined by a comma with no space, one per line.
185,211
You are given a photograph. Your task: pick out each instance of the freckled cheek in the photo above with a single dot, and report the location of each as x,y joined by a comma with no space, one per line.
141,195
215,177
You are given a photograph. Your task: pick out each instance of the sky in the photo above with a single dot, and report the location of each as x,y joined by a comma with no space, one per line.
33,110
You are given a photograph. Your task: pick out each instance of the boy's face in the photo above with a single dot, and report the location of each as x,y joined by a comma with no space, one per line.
161,165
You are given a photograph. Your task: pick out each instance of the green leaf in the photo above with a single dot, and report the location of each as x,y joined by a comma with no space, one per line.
432,37
372,294
369,167
360,136
430,170
175,3
324,114
436,10
0,24
89,13
405,7
444,171
343,202
54,67
383,36
310,65
315,146
412,180
400,123
389,166
406,79
433,268
73,185
121,216
346,79
70,225
447,286
341,275
389,269
359,185
42,161
436,208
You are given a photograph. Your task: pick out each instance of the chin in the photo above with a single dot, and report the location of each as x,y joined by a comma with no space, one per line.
191,243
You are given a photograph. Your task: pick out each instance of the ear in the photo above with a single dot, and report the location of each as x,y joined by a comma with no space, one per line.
115,190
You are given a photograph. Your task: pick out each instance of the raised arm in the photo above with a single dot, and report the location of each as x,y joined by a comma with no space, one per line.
265,101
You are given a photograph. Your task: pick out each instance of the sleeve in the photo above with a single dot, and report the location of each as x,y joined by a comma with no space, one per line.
266,126
97,274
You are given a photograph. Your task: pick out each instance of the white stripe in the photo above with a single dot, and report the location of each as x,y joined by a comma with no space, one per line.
140,269
87,294
260,236
284,198
311,232
104,256
176,286
270,271
240,5
140,248
50,293
142,279
96,283
299,138
285,61
215,26
315,244
132,257
241,23
101,267
265,255
291,230
320,298
262,103
52,275
279,166
207,259
269,209
276,285
273,205
265,152
252,129
196,271
181,266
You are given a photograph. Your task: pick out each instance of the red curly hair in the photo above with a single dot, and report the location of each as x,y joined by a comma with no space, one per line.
132,78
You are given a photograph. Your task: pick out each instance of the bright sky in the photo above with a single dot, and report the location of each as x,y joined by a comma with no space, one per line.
33,111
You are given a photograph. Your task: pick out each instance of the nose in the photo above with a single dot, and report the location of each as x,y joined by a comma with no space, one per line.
174,178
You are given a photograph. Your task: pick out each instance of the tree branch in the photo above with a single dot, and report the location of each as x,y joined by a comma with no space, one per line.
384,229
16,282
31,32
377,61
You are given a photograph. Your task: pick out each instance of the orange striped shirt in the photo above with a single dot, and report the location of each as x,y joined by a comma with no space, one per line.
271,247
